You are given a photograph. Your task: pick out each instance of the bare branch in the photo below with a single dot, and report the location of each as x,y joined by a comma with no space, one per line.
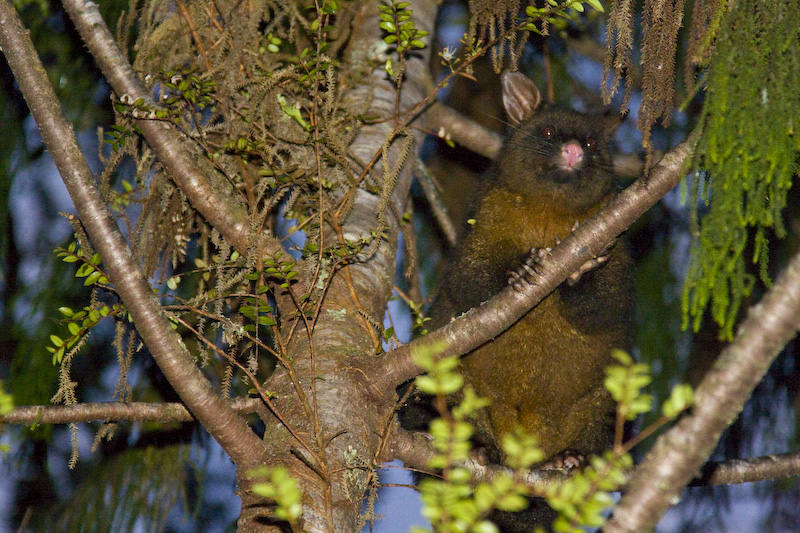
749,470
415,450
230,430
463,130
116,411
479,325
436,205
679,453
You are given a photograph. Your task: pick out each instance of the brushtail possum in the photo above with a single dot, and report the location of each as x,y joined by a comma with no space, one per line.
545,373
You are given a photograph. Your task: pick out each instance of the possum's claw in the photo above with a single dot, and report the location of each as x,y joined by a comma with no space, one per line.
593,263
566,460
529,271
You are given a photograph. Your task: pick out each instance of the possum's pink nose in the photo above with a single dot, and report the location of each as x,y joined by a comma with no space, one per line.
572,155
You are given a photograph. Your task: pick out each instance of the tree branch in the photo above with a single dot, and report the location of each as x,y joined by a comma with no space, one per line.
736,471
481,324
415,450
463,130
230,430
679,453
220,208
116,411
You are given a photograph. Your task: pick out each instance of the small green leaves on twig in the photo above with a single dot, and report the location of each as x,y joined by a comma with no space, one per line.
680,399
625,383
557,15
79,324
582,499
396,21
283,271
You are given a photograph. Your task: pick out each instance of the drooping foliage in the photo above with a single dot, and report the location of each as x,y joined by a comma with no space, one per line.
747,154
255,90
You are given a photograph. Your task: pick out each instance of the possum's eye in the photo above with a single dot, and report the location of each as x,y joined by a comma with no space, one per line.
590,143
548,131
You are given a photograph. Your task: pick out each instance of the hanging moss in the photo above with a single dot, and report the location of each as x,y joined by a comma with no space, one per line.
748,153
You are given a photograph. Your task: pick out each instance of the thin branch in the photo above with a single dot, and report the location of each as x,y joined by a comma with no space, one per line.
415,451
223,211
679,453
113,411
436,205
481,324
734,471
230,430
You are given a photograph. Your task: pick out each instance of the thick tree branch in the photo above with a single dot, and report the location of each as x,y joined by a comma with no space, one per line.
116,411
479,325
230,430
220,208
463,130
679,453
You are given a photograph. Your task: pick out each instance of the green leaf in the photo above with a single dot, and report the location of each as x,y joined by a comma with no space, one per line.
84,270
59,355
450,383
92,278
596,5
426,384
681,397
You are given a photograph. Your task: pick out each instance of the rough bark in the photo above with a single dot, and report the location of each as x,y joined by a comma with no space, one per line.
345,433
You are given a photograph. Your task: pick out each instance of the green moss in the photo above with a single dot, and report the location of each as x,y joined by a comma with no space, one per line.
748,152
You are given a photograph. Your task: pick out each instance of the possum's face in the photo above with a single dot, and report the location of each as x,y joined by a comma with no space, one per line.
563,155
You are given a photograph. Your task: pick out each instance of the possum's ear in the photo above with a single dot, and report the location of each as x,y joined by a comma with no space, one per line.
521,98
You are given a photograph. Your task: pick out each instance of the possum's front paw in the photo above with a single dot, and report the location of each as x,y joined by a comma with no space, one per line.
593,263
529,271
